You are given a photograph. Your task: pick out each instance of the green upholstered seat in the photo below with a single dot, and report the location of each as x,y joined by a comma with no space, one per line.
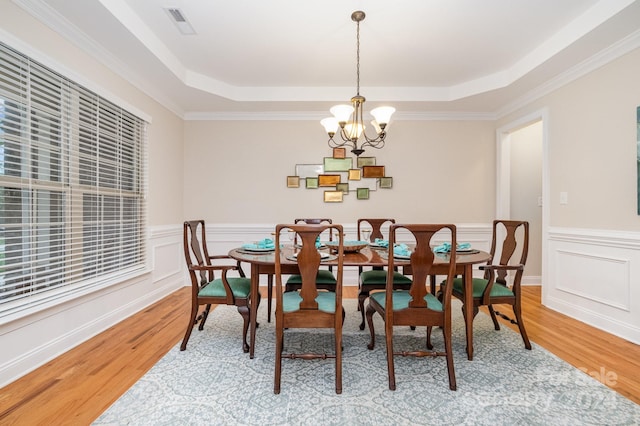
240,287
324,277
326,301
479,285
401,299
379,278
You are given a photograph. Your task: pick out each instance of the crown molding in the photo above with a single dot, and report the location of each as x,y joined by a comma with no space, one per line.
600,59
317,116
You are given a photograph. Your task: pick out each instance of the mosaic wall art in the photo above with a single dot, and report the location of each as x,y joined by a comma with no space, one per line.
337,176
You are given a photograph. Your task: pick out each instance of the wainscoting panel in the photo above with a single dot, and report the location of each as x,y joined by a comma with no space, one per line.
30,341
167,254
572,277
594,276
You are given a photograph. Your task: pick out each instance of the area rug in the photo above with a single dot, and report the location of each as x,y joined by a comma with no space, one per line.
214,383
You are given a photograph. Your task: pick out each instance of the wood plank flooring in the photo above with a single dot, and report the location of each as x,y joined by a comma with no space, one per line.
78,386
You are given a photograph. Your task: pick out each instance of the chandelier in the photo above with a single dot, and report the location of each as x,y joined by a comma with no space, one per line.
347,119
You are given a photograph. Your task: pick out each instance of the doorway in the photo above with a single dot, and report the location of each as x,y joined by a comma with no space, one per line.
523,186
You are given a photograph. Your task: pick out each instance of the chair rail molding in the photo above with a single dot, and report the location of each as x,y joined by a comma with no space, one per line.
221,238
593,276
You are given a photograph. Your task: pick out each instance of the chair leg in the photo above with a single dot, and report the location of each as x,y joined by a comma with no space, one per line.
361,298
338,361
269,296
245,312
475,311
205,314
390,366
192,323
518,314
372,334
429,345
278,368
446,332
432,283
257,306
496,324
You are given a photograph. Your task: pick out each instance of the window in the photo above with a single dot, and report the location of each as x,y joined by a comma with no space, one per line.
72,187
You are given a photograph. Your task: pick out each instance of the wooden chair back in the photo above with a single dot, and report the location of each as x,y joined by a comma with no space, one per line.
376,227
513,249
421,262
312,221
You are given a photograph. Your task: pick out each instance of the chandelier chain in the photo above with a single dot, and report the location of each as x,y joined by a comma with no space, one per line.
358,58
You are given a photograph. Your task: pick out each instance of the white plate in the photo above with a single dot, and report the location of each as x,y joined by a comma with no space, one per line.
322,255
400,256
321,246
258,250
374,245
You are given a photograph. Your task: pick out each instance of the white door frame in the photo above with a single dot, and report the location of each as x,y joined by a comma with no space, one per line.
503,173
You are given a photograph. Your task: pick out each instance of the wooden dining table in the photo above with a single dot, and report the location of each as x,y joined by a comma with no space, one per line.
263,263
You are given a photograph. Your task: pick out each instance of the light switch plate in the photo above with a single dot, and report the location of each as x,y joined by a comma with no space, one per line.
564,198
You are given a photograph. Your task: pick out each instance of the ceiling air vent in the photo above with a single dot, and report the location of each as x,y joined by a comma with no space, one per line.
177,17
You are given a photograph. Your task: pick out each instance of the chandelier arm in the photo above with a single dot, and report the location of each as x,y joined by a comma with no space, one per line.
337,144
345,137
373,143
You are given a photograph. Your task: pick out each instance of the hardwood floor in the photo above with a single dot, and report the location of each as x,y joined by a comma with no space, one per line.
78,386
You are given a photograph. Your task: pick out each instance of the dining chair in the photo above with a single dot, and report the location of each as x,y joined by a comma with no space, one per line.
494,288
310,306
417,305
208,290
375,278
327,279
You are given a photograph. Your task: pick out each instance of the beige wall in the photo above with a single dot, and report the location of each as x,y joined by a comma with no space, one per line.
592,147
20,31
235,172
165,202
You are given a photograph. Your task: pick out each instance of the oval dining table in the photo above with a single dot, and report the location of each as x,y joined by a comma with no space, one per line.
264,263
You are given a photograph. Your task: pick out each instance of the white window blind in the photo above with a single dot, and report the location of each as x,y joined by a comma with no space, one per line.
72,187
